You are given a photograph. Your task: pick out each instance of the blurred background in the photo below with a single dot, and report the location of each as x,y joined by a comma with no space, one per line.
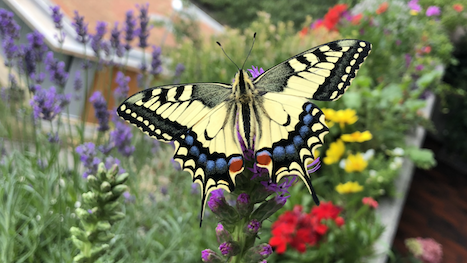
398,135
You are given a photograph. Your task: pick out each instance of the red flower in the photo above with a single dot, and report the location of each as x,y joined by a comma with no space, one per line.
382,8
370,202
332,17
304,31
458,7
356,19
300,230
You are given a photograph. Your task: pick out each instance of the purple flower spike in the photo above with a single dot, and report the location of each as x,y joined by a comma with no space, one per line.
217,198
121,92
47,103
57,17
101,113
130,24
10,49
96,40
8,26
81,28
265,250
87,152
115,40
208,255
121,138
56,69
156,63
143,31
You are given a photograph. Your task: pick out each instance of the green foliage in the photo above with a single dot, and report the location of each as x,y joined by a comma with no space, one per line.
239,14
421,157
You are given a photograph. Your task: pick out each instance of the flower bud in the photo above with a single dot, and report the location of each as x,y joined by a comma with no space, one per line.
253,227
243,204
105,187
121,178
208,255
229,249
257,253
222,234
221,208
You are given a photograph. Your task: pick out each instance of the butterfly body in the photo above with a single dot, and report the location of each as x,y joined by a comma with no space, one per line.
270,114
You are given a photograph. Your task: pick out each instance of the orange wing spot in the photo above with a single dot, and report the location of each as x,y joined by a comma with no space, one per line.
236,164
263,158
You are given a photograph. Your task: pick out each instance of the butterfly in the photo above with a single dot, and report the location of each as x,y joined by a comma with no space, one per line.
272,114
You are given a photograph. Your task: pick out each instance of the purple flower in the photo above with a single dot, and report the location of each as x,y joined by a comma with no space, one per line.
87,152
175,164
254,226
156,63
194,188
8,26
96,39
255,72
433,11
128,197
78,82
115,40
110,161
130,24
37,45
208,255
419,67
100,108
57,17
56,69
217,199
53,137
408,60
413,5
225,248
81,28
265,250
143,31
47,103
10,49
120,137
316,22
243,198
179,69
121,92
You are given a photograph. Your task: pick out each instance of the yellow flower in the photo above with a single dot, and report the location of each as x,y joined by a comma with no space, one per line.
355,163
349,187
335,152
357,136
347,116
329,114
413,12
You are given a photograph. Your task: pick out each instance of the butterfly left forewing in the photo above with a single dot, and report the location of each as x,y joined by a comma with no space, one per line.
200,119
321,73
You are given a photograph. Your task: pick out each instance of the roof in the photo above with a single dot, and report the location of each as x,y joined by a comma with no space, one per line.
37,15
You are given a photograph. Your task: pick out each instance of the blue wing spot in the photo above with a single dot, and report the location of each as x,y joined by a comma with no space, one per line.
308,107
221,165
290,149
189,140
194,151
304,130
308,119
202,159
297,140
279,153
210,166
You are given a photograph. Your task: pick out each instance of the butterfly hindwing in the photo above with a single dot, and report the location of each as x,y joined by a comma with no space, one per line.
321,73
289,131
200,119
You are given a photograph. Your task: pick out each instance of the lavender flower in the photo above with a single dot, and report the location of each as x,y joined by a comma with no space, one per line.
81,28
179,69
408,60
121,92
96,39
8,26
115,40
255,71
121,138
143,31
111,161
53,137
156,63
130,24
419,67
433,11
36,45
47,103
57,17
87,152
100,108
10,49
77,83
56,69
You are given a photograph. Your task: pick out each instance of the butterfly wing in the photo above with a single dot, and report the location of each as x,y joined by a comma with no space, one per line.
321,73
290,128
200,119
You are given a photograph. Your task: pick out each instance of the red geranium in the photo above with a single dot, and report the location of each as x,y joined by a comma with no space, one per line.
299,229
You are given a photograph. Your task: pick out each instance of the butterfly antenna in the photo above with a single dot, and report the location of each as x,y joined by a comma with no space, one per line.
254,37
226,54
